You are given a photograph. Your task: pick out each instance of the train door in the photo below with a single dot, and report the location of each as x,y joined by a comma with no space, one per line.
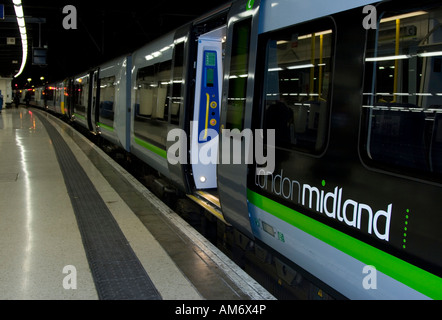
177,97
69,107
82,96
206,116
94,100
236,115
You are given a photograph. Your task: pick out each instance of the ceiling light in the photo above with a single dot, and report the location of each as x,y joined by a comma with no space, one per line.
400,57
19,11
24,38
302,66
430,54
404,16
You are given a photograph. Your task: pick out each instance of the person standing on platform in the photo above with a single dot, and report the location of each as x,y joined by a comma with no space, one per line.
17,98
27,98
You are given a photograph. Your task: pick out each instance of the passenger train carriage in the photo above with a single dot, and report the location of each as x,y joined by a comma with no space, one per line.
346,98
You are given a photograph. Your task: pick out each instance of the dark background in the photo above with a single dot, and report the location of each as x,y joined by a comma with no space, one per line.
105,30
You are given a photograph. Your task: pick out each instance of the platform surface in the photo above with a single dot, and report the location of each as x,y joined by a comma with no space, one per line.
75,225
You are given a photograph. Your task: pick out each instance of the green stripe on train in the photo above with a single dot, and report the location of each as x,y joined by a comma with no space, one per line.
410,275
80,116
161,152
106,126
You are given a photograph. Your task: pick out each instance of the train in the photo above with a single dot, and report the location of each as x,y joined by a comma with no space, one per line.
321,127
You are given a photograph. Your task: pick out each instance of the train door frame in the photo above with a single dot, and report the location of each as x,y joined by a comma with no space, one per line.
204,134
178,171
93,110
69,105
181,173
79,85
127,102
232,178
89,102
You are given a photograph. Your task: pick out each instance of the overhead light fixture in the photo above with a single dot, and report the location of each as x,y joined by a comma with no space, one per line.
430,54
404,16
18,7
302,66
404,56
388,58
320,33
21,21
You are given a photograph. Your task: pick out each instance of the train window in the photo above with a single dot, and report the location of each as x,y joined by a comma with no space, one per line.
239,70
297,85
152,103
177,83
49,94
402,104
107,100
146,87
81,96
57,95
152,88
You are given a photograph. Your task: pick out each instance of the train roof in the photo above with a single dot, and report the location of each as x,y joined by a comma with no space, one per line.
274,14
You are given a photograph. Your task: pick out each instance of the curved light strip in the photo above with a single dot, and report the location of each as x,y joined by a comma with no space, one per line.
24,37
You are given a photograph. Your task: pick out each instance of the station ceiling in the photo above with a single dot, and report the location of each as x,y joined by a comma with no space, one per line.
105,30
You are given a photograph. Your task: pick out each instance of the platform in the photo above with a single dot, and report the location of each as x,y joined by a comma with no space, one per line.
75,225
